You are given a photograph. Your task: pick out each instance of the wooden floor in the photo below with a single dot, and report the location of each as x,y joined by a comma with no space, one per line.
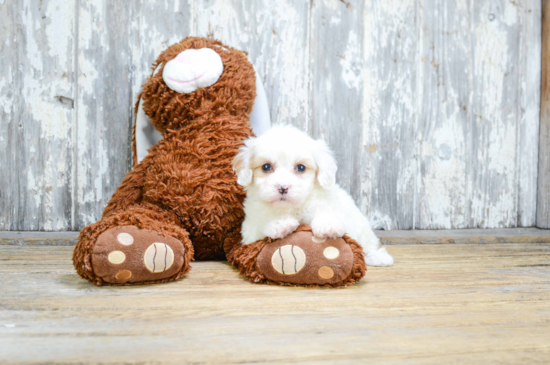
439,304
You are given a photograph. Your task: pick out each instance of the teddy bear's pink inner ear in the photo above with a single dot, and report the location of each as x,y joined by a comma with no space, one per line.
193,69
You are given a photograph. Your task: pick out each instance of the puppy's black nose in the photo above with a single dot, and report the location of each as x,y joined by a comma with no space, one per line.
283,189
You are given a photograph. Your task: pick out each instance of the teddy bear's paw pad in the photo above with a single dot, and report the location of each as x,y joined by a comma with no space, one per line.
127,254
301,258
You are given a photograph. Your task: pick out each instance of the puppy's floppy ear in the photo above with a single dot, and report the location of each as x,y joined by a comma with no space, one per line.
326,164
241,163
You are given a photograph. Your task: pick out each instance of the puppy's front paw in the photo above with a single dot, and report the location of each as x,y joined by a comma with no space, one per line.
281,228
325,227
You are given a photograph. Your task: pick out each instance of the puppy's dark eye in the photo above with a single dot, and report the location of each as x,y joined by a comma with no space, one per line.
266,167
300,168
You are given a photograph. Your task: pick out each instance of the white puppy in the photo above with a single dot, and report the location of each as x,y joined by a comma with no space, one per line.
290,180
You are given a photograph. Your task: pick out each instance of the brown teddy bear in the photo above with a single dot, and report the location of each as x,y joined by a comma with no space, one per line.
182,201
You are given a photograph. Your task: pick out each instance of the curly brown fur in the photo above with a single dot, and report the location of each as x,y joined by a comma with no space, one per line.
244,257
185,187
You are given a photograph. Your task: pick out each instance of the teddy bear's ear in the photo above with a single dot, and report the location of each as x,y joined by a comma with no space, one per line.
326,164
260,120
241,163
145,135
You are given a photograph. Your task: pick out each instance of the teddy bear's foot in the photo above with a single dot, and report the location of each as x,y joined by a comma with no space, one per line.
302,259
127,254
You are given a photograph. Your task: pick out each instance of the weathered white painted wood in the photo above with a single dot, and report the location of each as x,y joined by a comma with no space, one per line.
388,165
430,105
275,35
529,76
9,116
444,114
479,165
336,66
104,105
495,118
543,196
36,108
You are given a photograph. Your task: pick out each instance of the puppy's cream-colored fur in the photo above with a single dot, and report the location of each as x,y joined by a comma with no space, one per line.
290,180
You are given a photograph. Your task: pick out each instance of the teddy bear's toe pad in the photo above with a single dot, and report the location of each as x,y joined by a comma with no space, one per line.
302,258
127,254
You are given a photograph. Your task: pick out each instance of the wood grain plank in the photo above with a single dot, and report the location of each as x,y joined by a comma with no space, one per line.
275,35
336,65
465,236
444,115
528,84
104,105
543,194
37,114
438,304
9,114
33,238
388,167
460,236
495,118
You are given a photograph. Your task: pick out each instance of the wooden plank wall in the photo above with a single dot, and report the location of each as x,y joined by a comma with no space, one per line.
431,106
